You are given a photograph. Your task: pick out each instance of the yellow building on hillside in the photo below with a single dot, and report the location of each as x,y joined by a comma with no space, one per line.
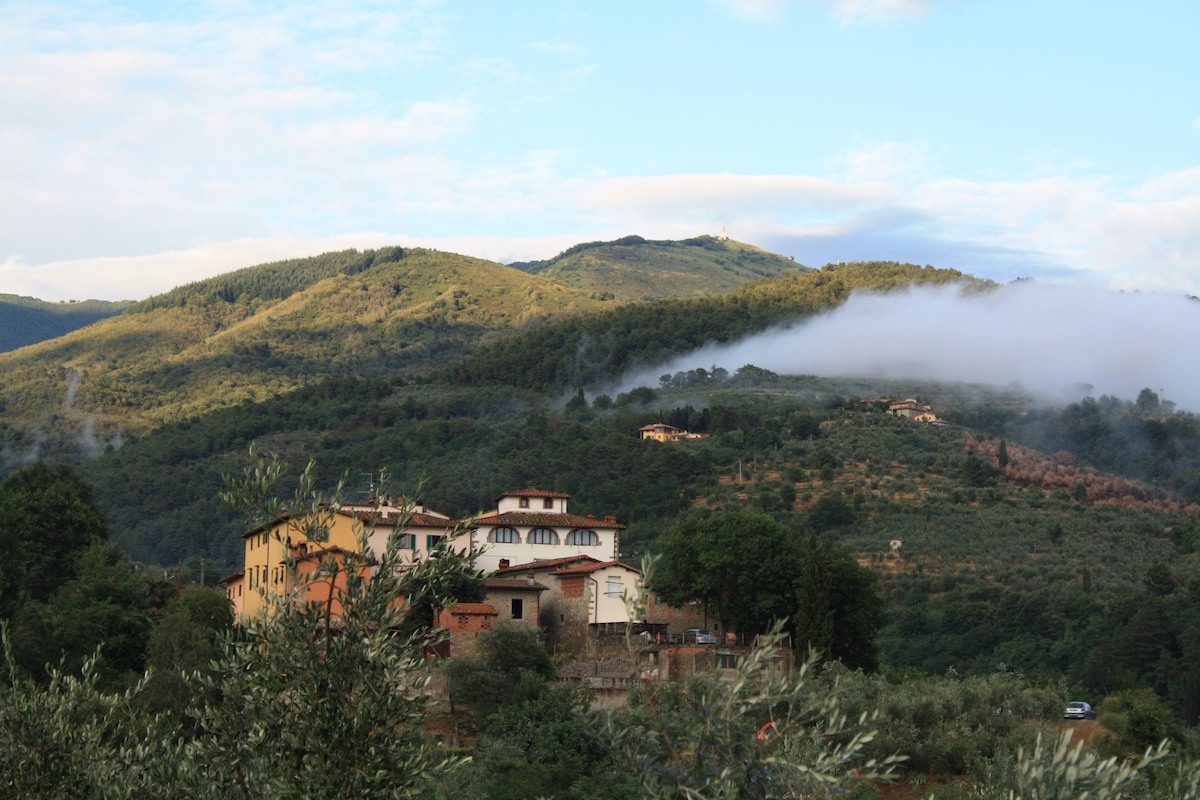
332,531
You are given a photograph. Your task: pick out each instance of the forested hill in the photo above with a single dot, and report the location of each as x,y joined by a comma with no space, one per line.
267,330
586,351
633,268
27,320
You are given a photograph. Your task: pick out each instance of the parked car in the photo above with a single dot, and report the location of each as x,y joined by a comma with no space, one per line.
699,636
1078,709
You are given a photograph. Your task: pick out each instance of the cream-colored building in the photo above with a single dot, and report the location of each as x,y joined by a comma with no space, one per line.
584,596
535,525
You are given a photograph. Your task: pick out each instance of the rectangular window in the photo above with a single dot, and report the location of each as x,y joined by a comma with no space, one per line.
518,608
727,660
433,541
613,587
547,503
406,541
524,502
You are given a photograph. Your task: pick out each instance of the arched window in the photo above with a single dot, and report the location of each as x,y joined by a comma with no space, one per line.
543,536
504,536
583,537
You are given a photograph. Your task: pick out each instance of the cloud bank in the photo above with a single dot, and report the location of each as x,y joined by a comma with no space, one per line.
1044,339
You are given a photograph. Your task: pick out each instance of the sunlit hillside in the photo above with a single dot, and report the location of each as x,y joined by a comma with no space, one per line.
633,268
234,339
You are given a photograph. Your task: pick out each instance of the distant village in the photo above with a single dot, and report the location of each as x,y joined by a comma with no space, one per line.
543,566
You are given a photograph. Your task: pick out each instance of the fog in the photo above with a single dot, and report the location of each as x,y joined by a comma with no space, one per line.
1044,339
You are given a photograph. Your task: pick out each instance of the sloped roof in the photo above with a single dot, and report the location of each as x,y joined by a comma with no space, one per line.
534,493
386,515
545,520
232,577
586,568
393,517
514,584
545,564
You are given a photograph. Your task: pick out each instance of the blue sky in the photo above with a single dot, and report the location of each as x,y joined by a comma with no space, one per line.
148,145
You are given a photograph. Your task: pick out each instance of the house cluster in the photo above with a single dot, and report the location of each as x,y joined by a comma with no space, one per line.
543,566
911,409
662,432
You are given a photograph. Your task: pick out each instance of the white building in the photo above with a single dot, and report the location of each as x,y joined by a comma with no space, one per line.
534,525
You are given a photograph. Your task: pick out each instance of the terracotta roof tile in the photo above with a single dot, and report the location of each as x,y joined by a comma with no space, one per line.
545,563
535,493
543,520
513,584
585,568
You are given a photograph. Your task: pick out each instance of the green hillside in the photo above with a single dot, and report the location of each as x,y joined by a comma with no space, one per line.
1020,554
633,268
26,320
268,330
264,331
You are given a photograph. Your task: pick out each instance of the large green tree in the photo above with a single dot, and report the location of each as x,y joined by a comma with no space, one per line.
753,570
742,564
839,609
47,517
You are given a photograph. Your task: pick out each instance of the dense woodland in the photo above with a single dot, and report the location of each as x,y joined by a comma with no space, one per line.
26,320
1046,553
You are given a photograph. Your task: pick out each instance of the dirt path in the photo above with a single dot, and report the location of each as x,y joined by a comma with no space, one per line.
1081,729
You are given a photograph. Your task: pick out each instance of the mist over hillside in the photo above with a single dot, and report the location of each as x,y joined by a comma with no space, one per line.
1060,343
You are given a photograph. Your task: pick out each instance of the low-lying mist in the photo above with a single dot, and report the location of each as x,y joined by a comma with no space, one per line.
1046,340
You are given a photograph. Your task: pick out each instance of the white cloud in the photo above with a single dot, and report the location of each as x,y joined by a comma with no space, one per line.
886,162
849,12
1048,340
846,12
676,196
756,9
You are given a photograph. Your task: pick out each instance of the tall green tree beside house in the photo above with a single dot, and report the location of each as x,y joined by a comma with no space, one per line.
743,564
754,571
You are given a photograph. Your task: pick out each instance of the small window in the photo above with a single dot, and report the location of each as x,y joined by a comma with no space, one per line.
548,503
727,660
434,541
543,536
504,536
524,502
518,608
583,537
613,586
406,541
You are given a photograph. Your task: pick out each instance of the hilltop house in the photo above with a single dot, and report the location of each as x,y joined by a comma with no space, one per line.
911,409
662,432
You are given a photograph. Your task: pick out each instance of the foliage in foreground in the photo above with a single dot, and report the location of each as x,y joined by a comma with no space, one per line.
306,705
767,733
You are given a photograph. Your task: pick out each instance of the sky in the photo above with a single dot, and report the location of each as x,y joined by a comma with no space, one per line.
147,145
